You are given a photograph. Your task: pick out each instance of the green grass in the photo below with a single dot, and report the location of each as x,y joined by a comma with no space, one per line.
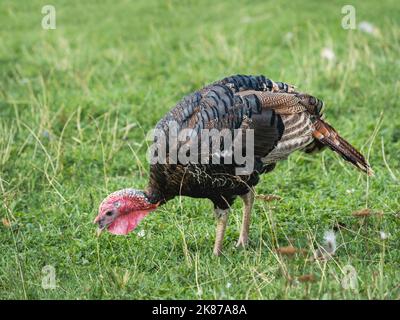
76,102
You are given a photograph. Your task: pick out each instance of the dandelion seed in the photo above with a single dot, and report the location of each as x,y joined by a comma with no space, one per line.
328,249
383,235
367,27
46,134
141,233
328,54
294,282
330,241
288,37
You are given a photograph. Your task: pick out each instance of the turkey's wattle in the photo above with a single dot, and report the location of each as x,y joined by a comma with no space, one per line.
126,223
282,121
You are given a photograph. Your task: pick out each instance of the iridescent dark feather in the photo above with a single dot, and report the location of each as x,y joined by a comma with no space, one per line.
283,121
218,106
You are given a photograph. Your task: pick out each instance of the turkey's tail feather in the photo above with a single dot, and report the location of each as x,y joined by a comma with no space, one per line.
327,135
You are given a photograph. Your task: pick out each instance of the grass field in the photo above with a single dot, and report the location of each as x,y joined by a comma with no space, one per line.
76,102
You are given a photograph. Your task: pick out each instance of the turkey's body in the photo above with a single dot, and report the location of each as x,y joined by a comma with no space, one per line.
250,123
218,106
282,120
219,182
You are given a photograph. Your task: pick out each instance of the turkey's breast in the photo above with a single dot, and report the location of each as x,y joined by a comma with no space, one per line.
297,134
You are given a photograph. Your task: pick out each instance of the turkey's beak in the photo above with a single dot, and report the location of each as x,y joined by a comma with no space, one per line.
101,226
99,231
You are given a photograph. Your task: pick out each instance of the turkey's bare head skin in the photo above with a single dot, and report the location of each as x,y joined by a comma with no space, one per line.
121,211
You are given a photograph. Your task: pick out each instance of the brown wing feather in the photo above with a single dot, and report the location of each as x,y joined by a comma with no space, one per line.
282,103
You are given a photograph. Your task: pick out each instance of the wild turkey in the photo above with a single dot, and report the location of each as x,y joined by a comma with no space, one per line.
283,121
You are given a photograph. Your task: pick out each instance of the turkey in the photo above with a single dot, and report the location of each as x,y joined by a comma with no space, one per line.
281,120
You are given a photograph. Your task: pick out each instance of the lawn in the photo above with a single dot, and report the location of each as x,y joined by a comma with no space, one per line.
76,103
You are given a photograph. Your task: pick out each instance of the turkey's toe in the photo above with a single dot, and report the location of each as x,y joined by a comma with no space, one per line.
242,242
217,252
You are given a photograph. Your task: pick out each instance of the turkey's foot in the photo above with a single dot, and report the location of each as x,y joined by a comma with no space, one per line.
242,242
222,219
248,200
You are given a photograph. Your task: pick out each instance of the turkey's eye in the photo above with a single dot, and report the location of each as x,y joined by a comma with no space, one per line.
109,213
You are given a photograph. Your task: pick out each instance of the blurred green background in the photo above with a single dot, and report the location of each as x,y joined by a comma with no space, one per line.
77,101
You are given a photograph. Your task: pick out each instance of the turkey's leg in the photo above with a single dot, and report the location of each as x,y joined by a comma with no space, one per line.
222,219
248,200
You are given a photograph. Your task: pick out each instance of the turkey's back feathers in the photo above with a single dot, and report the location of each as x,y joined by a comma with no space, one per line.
218,106
283,121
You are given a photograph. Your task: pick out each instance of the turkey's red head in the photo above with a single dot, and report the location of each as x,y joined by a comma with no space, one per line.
122,211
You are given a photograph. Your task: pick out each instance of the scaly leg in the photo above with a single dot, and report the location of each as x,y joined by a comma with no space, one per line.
248,200
222,219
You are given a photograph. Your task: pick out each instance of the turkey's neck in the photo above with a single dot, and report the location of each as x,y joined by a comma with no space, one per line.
159,187
155,196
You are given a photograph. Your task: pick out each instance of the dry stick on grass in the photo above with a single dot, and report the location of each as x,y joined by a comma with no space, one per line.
362,213
268,197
